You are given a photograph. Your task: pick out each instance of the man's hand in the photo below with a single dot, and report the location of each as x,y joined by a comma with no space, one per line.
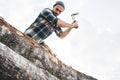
75,24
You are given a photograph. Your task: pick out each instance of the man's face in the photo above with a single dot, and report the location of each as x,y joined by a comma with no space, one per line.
58,9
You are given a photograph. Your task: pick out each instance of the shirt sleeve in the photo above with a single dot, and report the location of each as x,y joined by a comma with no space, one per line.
58,31
48,14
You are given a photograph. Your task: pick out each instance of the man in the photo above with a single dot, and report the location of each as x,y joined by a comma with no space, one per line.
47,22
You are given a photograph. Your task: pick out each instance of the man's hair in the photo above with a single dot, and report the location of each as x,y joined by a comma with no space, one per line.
59,3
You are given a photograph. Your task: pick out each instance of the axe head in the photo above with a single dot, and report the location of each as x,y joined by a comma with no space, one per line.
74,14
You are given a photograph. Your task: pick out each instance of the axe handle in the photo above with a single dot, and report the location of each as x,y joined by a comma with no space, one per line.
73,18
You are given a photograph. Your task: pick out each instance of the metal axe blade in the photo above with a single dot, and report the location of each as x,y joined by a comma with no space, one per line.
74,14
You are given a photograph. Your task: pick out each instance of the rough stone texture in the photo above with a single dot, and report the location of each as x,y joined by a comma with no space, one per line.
40,56
15,67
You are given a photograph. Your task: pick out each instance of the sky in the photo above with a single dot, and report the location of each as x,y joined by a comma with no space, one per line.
93,48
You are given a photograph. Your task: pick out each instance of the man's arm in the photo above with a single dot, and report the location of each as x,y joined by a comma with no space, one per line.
67,31
64,24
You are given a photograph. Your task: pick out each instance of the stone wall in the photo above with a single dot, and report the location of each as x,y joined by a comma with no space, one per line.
26,52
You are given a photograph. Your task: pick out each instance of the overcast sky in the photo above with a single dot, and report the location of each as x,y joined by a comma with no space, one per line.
93,48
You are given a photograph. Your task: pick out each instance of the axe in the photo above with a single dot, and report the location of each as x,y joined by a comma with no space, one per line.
73,15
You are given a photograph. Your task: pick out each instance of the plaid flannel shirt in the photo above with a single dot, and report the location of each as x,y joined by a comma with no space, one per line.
43,26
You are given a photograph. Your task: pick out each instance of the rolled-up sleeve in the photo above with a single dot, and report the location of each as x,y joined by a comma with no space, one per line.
58,31
48,14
